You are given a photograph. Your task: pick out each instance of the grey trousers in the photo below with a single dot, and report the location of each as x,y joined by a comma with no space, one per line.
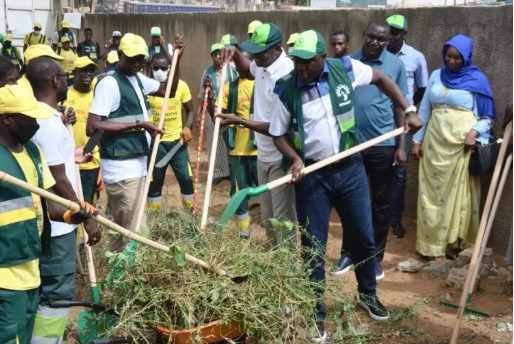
124,199
278,203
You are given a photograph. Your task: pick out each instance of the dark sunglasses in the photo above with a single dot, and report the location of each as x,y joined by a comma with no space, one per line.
164,69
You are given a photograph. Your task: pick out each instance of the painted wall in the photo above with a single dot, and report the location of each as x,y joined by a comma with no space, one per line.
429,29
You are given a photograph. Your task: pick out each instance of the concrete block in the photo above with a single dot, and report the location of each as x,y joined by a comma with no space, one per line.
457,278
437,267
410,265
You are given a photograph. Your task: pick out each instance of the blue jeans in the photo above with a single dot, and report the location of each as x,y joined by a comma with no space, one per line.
398,188
345,187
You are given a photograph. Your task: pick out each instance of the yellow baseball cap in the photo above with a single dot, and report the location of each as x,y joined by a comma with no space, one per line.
8,38
253,25
65,39
38,50
112,57
37,25
84,61
17,99
292,38
133,45
65,24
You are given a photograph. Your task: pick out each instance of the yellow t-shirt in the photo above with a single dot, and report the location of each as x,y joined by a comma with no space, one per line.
173,117
32,39
81,103
25,276
69,59
244,102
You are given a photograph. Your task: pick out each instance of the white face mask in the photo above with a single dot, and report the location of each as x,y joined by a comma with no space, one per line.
37,32
160,75
289,50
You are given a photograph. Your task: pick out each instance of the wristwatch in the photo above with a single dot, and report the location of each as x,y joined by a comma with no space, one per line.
410,109
138,125
243,123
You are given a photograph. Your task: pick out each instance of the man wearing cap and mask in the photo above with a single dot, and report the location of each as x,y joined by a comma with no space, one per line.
64,31
175,129
12,53
121,109
80,98
417,80
48,82
314,120
88,47
270,64
35,37
156,45
252,26
24,217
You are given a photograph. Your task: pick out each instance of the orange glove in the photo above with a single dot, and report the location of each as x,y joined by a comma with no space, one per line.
186,134
77,217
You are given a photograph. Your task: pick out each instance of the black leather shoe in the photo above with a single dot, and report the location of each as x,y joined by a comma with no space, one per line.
375,308
344,265
398,229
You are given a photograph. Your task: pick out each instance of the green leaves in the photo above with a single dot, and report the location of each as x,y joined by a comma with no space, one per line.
180,255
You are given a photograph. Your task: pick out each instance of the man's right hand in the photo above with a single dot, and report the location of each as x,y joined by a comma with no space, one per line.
207,82
296,170
179,43
227,54
416,151
228,119
151,128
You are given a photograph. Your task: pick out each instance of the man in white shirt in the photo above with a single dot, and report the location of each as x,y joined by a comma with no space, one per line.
270,64
121,109
48,82
314,120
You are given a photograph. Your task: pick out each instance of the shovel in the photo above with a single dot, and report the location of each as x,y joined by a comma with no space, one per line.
241,195
4,177
141,209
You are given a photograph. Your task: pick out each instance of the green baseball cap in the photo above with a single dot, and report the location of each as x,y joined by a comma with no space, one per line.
264,37
397,21
228,39
155,31
216,46
308,44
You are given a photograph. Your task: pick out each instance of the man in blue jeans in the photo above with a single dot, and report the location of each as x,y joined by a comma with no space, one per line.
376,114
314,120
417,80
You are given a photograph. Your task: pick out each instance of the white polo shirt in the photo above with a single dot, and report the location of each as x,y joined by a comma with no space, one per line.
264,98
106,100
58,148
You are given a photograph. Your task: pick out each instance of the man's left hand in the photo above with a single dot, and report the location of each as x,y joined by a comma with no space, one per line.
93,232
400,158
413,123
80,157
186,134
69,116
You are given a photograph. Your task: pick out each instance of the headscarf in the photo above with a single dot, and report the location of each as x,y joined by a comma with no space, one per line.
468,77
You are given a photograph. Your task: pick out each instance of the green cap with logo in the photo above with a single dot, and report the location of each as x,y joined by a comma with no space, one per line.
264,37
228,39
216,46
308,44
155,31
397,21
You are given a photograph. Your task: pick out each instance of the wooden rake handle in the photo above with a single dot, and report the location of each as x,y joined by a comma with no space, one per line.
4,177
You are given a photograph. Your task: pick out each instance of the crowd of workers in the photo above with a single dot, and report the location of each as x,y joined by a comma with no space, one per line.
283,109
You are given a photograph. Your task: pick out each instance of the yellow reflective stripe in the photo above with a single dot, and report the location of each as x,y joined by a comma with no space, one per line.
17,216
345,126
189,169
49,327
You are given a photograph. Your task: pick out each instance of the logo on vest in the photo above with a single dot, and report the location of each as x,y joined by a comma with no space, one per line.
343,91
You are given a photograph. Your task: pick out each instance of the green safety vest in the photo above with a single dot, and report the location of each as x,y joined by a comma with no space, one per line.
229,135
90,50
11,55
19,241
129,144
341,97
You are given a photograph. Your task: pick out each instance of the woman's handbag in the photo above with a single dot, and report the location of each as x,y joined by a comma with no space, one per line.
483,159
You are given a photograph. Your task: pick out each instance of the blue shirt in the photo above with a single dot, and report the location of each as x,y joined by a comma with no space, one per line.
374,110
415,69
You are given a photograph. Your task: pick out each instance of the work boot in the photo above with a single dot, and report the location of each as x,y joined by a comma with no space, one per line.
398,229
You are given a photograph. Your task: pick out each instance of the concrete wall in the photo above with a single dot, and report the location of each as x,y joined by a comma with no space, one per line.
429,29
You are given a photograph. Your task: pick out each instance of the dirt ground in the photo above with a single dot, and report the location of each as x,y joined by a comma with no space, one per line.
412,299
